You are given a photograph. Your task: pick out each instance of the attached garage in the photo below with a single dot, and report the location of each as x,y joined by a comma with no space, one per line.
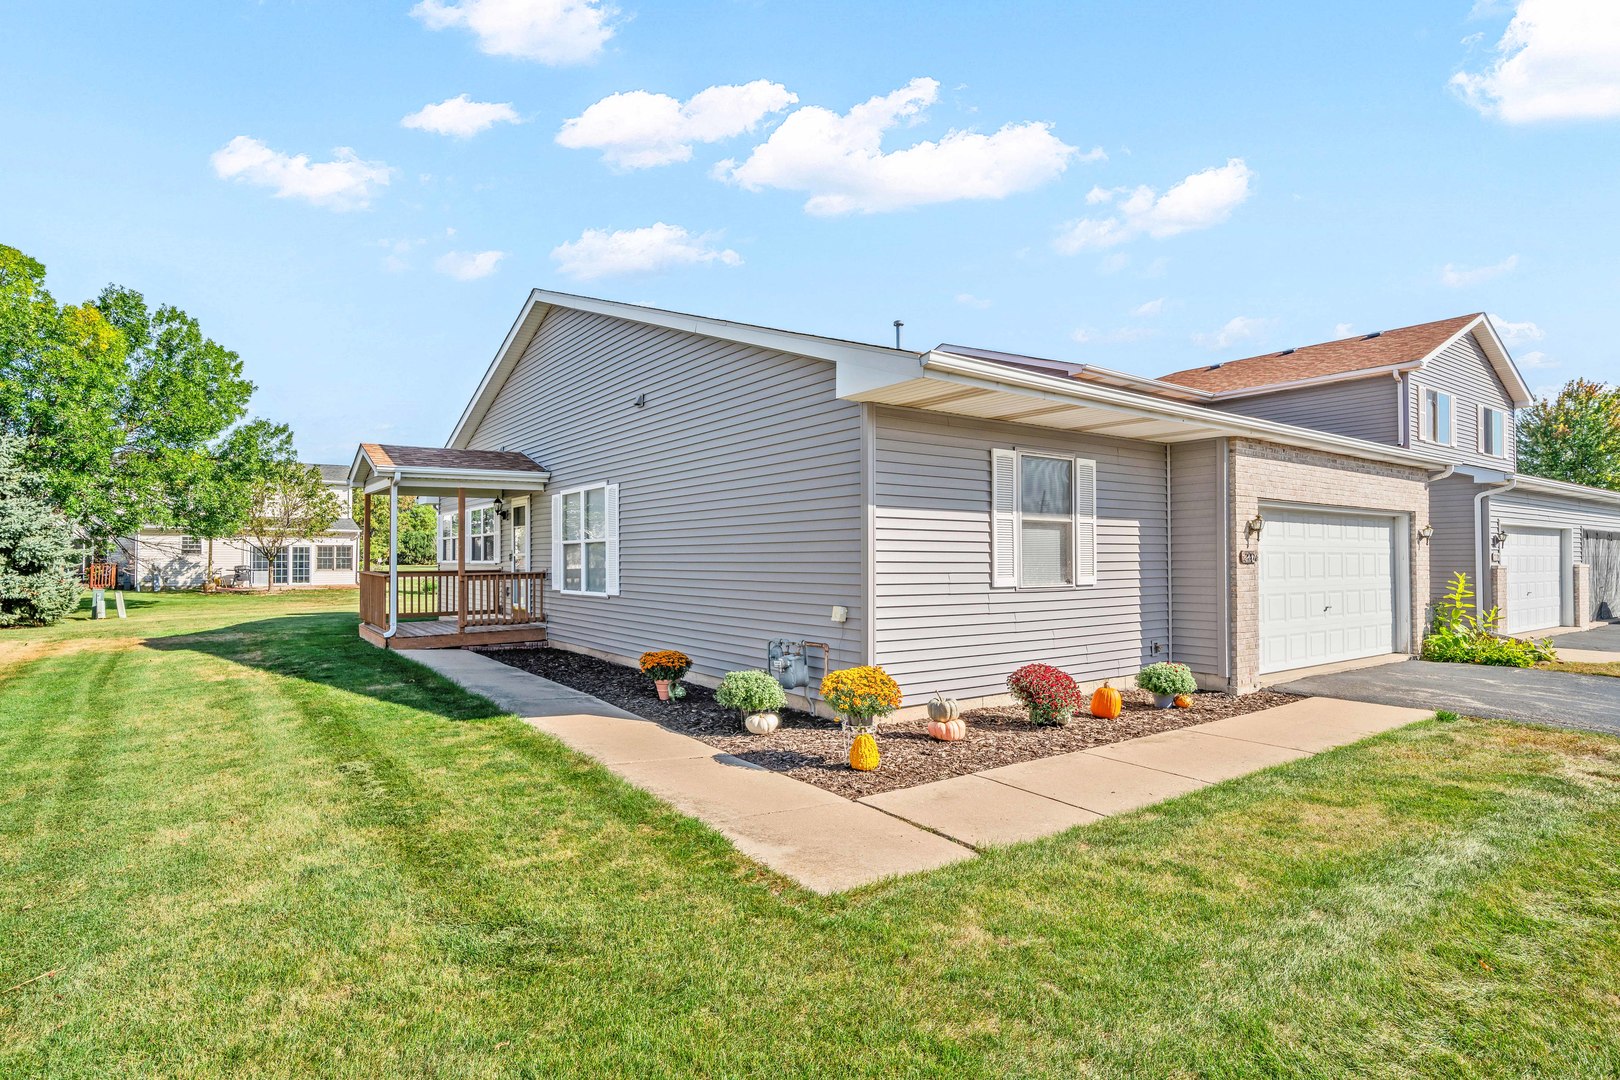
1330,587
1534,561
1602,551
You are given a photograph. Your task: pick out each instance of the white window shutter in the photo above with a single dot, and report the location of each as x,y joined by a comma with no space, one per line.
1085,521
612,539
554,572
1003,518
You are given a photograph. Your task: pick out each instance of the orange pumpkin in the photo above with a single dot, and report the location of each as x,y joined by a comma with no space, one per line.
948,730
1183,701
1106,702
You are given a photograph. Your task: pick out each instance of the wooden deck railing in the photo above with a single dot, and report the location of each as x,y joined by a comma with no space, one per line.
489,597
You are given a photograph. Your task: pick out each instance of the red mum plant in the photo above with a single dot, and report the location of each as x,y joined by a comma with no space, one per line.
1050,695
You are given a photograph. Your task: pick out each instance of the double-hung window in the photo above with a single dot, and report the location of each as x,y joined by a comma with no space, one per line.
1436,421
326,557
190,546
343,556
585,540
1044,508
483,529
447,535
1492,431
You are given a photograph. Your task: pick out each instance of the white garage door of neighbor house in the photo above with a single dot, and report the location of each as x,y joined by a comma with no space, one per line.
1534,561
1327,588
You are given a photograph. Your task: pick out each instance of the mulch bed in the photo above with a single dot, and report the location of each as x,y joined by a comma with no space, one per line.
816,751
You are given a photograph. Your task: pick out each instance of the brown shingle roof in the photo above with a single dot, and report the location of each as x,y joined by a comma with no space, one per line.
383,456
1407,344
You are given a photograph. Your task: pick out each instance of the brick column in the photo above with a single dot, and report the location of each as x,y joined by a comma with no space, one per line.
1582,579
1499,587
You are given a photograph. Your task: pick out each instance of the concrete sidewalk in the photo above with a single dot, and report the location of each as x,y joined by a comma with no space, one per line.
828,843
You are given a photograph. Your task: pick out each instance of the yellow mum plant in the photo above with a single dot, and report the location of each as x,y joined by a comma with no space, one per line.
861,693
665,664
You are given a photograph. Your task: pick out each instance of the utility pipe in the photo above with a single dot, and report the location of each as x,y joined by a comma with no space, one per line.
1479,548
393,558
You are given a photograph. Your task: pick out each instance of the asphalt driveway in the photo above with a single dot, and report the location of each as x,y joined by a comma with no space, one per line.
1545,697
1603,638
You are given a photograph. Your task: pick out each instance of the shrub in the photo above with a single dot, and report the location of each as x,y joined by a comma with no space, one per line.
750,692
1458,636
1050,695
37,585
665,664
861,693
1167,680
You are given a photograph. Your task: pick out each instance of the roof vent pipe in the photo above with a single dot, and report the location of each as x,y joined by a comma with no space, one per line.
897,325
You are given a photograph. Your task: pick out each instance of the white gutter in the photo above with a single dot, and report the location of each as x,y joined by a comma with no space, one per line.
1218,423
393,560
1481,540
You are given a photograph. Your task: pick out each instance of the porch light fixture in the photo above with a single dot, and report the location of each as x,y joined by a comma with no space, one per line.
1499,539
1425,534
500,508
1254,526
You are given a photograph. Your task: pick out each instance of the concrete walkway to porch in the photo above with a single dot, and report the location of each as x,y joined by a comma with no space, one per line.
828,843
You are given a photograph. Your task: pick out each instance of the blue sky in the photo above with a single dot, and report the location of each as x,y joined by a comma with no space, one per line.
1146,188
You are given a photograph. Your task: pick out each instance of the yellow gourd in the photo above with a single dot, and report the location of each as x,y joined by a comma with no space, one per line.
863,753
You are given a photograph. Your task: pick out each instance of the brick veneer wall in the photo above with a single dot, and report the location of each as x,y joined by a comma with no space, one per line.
1583,595
1266,472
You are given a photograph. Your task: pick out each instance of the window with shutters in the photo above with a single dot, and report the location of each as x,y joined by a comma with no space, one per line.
1044,532
1434,425
1492,431
585,540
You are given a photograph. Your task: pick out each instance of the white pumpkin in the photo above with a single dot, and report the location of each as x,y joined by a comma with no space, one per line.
762,723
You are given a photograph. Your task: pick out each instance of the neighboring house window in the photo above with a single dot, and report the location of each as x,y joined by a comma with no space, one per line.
585,540
482,534
300,565
1436,420
260,563
344,554
326,557
190,545
1044,511
1493,432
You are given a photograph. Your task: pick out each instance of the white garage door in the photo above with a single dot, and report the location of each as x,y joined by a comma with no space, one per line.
1327,588
1534,561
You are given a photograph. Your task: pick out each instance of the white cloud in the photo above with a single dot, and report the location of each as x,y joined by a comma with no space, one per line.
1238,328
1123,335
397,260
1342,330
344,183
468,265
1558,60
461,117
839,159
1149,309
1517,333
1200,201
550,31
969,300
638,130
1536,361
599,253
1457,277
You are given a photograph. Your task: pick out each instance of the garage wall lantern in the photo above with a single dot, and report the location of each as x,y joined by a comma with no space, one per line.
1254,526
1425,534
1499,539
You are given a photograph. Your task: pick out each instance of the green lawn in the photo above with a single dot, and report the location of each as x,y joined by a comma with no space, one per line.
246,843
1582,668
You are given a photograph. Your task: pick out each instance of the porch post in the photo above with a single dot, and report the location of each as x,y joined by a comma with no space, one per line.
365,528
461,560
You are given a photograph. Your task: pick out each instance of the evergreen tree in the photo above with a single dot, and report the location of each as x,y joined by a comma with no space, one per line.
37,583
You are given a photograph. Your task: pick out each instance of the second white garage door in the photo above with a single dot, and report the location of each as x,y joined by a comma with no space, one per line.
1327,588
1534,561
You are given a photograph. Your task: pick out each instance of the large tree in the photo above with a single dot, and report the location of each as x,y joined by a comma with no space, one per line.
418,529
220,498
289,502
1574,437
117,403
37,583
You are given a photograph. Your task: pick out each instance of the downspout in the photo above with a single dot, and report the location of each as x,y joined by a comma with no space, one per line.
1479,545
393,558
1169,564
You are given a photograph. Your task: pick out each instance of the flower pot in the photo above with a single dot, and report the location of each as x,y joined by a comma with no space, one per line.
663,689
761,723
1164,701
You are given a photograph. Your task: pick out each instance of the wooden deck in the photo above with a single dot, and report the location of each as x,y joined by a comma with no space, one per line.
442,634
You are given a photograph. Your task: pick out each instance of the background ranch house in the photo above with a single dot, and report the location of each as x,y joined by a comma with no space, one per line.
328,560
677,481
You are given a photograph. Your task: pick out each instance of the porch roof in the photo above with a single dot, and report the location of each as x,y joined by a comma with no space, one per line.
434,470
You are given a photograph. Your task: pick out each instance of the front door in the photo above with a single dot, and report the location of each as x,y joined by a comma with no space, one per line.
522,591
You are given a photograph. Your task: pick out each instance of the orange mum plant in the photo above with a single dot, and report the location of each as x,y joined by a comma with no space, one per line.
665,664
861,693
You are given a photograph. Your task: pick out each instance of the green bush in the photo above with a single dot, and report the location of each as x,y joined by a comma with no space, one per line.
1167,679
37,584
750,692
1458,636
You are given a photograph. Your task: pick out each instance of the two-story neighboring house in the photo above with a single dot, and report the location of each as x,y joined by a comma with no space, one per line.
1543,551
181,562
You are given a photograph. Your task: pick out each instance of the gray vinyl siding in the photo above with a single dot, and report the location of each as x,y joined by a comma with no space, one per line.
1197,567
740,504
1463,371
939,623
1451,551
1538,511
1360,408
